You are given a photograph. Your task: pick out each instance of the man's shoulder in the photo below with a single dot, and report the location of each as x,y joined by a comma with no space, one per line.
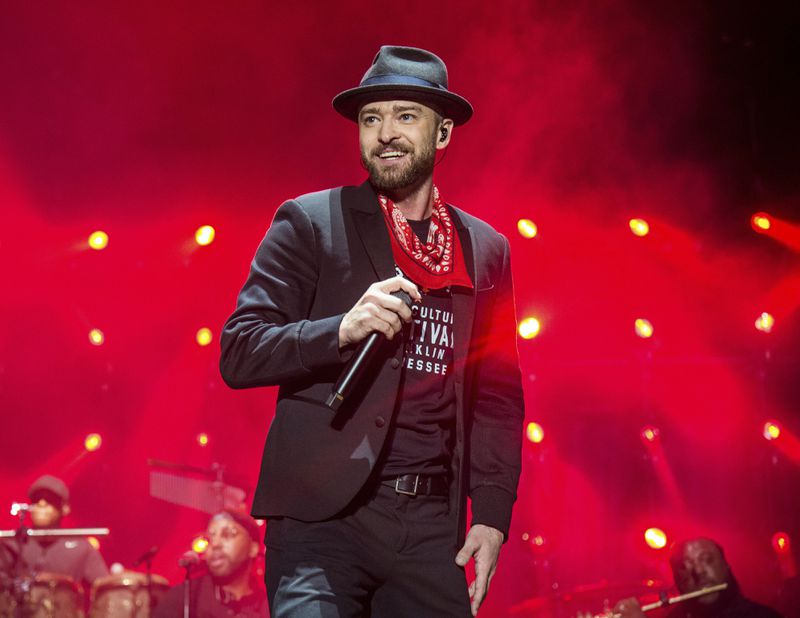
479,226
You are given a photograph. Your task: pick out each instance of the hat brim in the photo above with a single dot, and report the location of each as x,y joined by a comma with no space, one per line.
448,104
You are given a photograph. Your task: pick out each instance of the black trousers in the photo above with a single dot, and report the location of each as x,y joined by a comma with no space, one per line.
392,556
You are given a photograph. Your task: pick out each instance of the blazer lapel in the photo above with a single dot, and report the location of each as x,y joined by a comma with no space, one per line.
464,298
371,228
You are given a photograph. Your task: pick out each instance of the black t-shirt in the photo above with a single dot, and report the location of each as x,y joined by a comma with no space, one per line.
207,600
421,436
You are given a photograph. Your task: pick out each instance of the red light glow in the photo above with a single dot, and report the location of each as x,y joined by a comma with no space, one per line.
772,430
781,543
655,538
93,442
761,222
534,433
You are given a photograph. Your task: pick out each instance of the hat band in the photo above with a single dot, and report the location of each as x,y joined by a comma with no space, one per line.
404,80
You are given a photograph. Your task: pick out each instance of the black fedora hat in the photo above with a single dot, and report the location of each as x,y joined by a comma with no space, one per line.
408,74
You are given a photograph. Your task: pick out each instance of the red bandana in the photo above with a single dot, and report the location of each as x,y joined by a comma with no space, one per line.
438,263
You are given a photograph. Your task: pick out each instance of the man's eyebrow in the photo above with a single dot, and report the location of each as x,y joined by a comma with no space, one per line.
395,108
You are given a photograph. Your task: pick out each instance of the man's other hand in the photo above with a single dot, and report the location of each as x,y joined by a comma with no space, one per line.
483,543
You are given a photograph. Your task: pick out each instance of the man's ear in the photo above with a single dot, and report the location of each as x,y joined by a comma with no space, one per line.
254,547
444,134
65,510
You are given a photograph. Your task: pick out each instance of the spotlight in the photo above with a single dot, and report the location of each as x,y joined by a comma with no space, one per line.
204,336
655,538
772,430
761,222
202,439
92,442
94,542
200,544
781,543
643,328
204,235
98,240
649,434
639,227
534,432
765,322
529,328
96,337
527,228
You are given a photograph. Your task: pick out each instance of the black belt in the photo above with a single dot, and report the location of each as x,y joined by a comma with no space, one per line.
419,485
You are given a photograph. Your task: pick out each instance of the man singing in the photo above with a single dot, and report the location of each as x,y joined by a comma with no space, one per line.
366,502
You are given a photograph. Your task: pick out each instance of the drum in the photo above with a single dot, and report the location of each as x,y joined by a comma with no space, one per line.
47,595
125,595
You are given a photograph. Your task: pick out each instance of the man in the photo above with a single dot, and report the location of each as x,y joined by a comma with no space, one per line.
367,502
71,556
696,564
228,589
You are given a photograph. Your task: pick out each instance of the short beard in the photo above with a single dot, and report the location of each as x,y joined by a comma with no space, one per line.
420,167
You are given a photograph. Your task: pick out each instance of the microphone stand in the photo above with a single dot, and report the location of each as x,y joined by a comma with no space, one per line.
187,588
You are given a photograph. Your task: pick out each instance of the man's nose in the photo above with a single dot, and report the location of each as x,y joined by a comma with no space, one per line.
388,132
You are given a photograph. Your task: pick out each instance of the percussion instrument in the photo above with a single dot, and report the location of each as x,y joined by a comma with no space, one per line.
125,595
47,595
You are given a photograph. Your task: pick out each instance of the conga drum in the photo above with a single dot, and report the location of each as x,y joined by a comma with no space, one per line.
47,595
125,595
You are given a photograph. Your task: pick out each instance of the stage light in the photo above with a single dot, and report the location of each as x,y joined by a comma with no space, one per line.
204,336
643,328
205,235
649,434
772,430
534,432
765,322
529,328
639,227
202,439
200,544
781,543
761,222
96,336
94,542
92,442
98,240
527,228
655,538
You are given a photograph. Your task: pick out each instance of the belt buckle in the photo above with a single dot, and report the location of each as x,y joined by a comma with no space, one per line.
413,492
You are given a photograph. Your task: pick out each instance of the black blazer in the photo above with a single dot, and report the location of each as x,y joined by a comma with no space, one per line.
319,256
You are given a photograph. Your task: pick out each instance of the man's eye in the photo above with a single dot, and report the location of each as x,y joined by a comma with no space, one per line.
406,117
369,119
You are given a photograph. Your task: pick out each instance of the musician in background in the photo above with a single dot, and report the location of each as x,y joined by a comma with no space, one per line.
696,564
71,556
229,588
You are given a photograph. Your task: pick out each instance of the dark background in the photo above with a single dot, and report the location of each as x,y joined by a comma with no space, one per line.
147,120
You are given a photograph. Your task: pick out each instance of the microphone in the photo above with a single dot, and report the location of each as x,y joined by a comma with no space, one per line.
147,556
358,363
19,507
189,560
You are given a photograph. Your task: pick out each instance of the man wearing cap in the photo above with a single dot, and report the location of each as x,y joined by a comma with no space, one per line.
366,491
228,589
74,557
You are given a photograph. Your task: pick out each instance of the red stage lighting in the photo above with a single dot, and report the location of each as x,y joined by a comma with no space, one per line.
781,543
529,328
534,433
200,544
96,337
94,542
643,328
655,538
772,430
761,222
527,228
202,439
92,442
765,322
649,434
98,240
639,227
205,235
204,336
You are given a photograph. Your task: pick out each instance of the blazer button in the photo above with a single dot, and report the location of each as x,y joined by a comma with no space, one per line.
380,421
395,362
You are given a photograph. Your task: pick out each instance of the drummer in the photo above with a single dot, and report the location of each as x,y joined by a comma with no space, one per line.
229,588
71,556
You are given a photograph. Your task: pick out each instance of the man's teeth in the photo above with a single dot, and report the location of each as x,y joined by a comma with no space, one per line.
391,154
